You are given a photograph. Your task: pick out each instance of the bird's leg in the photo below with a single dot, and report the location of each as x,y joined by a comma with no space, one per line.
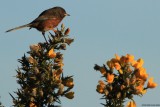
44,37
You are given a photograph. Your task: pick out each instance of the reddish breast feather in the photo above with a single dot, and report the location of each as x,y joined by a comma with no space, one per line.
48,24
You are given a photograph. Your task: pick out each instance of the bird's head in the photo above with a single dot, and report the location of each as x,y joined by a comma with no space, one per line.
60,12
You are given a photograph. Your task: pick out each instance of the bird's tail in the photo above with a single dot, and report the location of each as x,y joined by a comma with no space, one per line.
16,28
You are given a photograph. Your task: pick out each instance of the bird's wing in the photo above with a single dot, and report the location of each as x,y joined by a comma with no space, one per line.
42,18
45,15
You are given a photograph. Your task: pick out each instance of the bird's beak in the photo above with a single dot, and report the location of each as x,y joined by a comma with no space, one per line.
66,14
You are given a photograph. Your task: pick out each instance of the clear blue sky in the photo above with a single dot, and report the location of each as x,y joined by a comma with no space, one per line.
100,28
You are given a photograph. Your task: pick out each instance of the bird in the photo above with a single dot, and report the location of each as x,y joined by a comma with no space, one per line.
47,20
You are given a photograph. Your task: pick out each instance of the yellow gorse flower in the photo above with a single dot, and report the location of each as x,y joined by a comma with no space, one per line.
130,78
117,66
129,58
151,84
101,86
141,73
131,104
51,53
110,78
117,57
138,64
140,89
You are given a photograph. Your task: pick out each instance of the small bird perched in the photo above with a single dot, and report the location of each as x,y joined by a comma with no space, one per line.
47,20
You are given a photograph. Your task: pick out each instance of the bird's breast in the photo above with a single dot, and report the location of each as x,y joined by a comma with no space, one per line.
46,25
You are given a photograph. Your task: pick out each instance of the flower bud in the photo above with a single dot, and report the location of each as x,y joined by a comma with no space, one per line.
67,31
40,92
69,95
36,70
110,88
106,92
102,70
50,99
68,40
32,99
31,60
68,82
62,26
34,92
122,87
35,47
63,46
127,81
60,89
118,94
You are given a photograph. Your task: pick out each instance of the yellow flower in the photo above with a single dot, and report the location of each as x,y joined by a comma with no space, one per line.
101,83
131,104
120,71
139,86
139,89
51,53
100,87
129,58
133,63
110,78
141,73
144,91
117,66
151,84
138,63
117,57
69,95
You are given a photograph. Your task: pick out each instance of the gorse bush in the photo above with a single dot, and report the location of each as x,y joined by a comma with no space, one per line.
124,77
41,76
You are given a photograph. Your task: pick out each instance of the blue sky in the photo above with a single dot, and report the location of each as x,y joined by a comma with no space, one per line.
100,28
